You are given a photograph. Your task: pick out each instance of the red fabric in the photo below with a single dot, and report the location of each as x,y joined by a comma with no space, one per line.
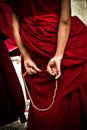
5,24
39,21
12,104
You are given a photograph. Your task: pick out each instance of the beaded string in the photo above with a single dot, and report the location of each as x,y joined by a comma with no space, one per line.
32,102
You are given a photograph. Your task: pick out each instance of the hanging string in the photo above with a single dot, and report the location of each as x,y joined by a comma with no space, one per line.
31,100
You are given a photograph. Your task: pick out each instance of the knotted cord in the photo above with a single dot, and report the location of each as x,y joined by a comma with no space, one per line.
32,102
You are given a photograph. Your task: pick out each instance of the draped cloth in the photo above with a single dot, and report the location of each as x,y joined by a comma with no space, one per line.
5,25
12,104
39,21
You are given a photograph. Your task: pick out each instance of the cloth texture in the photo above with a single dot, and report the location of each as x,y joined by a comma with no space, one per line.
39,21
12,104
5,25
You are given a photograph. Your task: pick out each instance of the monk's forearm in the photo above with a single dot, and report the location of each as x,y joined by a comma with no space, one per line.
17,37
20,44
63,34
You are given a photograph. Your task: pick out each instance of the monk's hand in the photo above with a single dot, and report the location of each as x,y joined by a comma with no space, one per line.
30,66
54,67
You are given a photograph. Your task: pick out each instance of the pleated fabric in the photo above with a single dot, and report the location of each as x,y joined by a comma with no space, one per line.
39,21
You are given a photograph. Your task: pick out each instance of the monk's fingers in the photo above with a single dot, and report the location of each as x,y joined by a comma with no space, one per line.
31,71
57,75
52,71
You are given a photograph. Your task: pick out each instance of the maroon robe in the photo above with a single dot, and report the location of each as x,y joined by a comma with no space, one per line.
6,14
39,20
12,104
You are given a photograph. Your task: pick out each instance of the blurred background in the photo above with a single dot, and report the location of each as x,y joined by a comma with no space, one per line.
79,8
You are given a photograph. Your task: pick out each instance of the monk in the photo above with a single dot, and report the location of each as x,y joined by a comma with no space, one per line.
12,104
53,45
